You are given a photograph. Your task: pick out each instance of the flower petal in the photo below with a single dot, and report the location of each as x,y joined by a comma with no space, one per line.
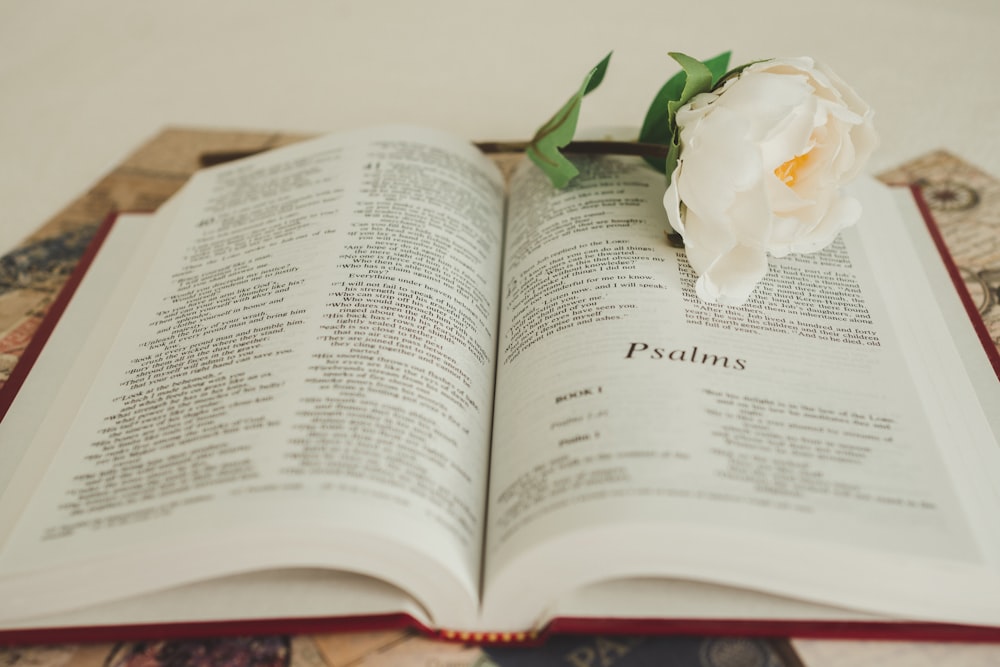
761,165
732,279
717,164
706,240
765,99
672,202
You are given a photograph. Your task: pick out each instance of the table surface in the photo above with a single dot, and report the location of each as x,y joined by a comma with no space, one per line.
82,84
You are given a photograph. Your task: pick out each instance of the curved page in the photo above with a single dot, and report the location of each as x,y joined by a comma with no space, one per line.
305,380
640,432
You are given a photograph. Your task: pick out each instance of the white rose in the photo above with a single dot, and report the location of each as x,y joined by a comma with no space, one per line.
762,161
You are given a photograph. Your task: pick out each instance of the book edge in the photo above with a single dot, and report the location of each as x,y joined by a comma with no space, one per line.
956,278
10,389
799,629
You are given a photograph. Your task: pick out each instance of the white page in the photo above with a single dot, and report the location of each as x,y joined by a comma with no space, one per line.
639,432
306,381
111,274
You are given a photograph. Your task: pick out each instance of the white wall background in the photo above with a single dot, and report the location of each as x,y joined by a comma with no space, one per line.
82,83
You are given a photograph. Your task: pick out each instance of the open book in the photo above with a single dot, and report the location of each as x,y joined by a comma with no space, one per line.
362,379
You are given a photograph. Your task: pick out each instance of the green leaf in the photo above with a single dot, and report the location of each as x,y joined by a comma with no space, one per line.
658,126
559,130
718,66
670,162
698,80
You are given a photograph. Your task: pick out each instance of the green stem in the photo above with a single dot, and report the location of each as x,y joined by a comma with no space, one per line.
577,147
588,147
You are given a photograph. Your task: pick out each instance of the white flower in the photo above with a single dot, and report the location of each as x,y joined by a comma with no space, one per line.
762,161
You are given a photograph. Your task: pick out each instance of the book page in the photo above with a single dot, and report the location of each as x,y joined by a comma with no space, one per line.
641,432
130,237
305,380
